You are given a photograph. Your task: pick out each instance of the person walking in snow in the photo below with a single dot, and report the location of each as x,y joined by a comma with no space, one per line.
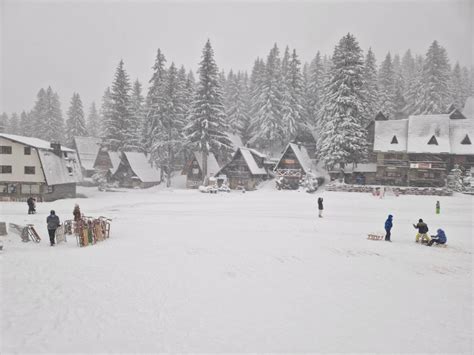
438,207
388,228
52,222
439,238
31,205
76,213
320,207
422,231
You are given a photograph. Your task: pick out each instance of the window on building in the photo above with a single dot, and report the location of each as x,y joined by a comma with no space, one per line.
394,140
466,140
433,141
5,169
29,170
29,189
27,150
5,149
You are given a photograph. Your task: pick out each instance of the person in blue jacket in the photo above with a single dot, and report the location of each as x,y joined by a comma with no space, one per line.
388,228
439,238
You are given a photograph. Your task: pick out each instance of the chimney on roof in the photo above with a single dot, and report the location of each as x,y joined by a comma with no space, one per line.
56,146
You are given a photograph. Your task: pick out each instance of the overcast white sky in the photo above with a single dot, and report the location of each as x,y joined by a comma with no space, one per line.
76,45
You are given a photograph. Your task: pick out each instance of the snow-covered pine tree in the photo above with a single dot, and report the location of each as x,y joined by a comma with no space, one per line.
456,87
75,123
119,131
343,138
50,123
106,116
436,74
399,102
386,83
26,124
315,90
414,93
14,124
243,80
137,109
255,87
370,87
38,114
154,102
207,129
466,84
168,141
293,115
407,69
4,122
267,124
236,110
93,123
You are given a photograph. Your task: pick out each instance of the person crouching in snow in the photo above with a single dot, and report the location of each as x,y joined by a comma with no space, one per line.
439,238
320,207
388,228
422,231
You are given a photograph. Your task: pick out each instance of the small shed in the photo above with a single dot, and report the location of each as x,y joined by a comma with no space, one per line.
136,171
193,169
245,170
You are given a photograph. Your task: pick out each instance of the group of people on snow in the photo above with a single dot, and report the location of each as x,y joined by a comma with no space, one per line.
422,235
53,222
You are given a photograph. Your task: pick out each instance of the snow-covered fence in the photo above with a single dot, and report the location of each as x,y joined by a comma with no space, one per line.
400,190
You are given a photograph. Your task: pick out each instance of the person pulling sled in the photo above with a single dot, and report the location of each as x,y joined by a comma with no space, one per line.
422,232
388,228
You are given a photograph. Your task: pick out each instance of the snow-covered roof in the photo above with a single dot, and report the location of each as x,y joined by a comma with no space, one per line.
257,153
60,170
384,133
115,160
87,148
422,129
32,142
251,163
468,110
212,165
458,130
236,141
302,156
142,167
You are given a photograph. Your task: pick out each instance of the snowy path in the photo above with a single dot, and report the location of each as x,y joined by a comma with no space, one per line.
253,272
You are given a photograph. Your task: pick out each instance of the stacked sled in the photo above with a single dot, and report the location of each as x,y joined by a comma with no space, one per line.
91,230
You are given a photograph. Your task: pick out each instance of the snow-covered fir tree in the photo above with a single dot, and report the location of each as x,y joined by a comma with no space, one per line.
386,83
119,131
75,123
370,86
237,106
292,110
26,124
245,131
414,93
407,70
399,102
4,122
14,124
257,77
168,142
436,75
93,122
466,84
268,128
137,111
207,129
315,91
49,123
106,115
456,87
343,138
154,102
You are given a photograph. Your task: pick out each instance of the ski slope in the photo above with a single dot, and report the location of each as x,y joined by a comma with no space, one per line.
256,272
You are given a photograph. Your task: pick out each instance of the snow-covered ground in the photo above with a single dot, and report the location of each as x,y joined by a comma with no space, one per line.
254,272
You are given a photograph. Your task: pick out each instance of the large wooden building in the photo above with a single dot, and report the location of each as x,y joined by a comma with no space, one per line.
194,169
420,150
34,167
246,169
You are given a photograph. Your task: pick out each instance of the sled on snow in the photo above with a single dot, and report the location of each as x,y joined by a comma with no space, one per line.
60,234
375,236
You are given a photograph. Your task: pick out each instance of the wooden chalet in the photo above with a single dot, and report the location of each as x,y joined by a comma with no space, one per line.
193,169
135,171
107,162
87,149
420,150
245,170
295,163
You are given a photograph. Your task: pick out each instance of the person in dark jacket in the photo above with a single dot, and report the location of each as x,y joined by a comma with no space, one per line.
422,231
31,205
388,228
76,213
320,207
438,207
52,223
439,238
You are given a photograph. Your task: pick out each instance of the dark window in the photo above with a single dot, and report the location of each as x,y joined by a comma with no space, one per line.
5,169
5,149
466,140
27,150
433,141
29,170
394,140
